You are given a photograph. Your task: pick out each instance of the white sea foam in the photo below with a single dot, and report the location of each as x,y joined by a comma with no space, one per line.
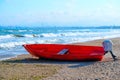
27,35
66,34
5,36
13,42
80,34
65,37
10,44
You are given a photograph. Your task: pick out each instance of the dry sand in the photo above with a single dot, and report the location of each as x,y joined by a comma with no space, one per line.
25,67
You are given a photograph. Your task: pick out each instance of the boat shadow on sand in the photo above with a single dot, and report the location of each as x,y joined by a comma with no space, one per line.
31,60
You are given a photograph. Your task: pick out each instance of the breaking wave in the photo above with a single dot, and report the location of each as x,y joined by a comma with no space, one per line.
11,40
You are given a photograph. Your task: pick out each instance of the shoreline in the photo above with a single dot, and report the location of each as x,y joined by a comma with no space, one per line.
97,42
27,67
91,43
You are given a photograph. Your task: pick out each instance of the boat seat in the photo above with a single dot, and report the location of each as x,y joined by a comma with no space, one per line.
63,51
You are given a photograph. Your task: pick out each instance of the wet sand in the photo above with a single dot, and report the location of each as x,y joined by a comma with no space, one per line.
26,67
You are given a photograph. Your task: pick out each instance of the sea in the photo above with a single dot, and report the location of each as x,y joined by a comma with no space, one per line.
13,37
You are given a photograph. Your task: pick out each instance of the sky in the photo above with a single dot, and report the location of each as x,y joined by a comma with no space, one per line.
60,12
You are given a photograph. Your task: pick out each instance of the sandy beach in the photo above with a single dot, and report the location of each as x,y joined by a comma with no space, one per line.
26,67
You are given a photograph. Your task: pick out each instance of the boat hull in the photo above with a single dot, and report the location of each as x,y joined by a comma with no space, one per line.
66,52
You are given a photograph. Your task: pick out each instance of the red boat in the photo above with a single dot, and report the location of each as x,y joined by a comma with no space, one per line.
65,51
